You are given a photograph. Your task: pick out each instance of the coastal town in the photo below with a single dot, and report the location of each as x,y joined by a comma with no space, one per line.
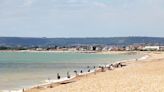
104,48
89,48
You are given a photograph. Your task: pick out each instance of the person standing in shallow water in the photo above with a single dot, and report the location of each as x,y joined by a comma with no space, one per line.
81,71
58,76
89,70
75,72
94,67
68,75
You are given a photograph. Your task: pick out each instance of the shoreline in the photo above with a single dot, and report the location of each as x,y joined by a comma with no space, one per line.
145,75
63,80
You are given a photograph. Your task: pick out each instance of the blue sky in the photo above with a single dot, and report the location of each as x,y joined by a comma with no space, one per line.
81,18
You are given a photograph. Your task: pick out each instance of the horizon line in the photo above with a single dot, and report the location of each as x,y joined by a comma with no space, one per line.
77,37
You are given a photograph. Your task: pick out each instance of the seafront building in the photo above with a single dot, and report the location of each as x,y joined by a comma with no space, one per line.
161,48
150,48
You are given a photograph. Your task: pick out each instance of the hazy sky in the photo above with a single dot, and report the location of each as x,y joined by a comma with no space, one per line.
81,18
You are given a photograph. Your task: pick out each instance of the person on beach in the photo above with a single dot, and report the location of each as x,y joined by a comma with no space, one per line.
100,66
49,79
81,71
89,70
102,69
23,90
111,67
75,72
95,71
118,65
68,75
94,67
50,86
58,76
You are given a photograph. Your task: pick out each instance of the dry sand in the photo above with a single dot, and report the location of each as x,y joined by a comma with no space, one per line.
138,76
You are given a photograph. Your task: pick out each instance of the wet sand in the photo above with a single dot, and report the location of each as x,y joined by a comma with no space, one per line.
138,76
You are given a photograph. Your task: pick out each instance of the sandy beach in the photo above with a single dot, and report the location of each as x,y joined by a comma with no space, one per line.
138,76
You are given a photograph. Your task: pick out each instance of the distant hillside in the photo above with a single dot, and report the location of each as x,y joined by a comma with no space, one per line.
20,41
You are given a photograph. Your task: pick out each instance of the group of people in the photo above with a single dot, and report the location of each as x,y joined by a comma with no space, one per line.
76,72
111,66
102,68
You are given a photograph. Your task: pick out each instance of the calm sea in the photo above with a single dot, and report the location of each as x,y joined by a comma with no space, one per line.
23,69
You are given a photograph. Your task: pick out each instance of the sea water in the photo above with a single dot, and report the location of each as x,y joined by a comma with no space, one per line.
22,69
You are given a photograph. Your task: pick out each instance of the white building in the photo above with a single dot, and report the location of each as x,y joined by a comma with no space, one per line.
161,48
39,49
151,48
